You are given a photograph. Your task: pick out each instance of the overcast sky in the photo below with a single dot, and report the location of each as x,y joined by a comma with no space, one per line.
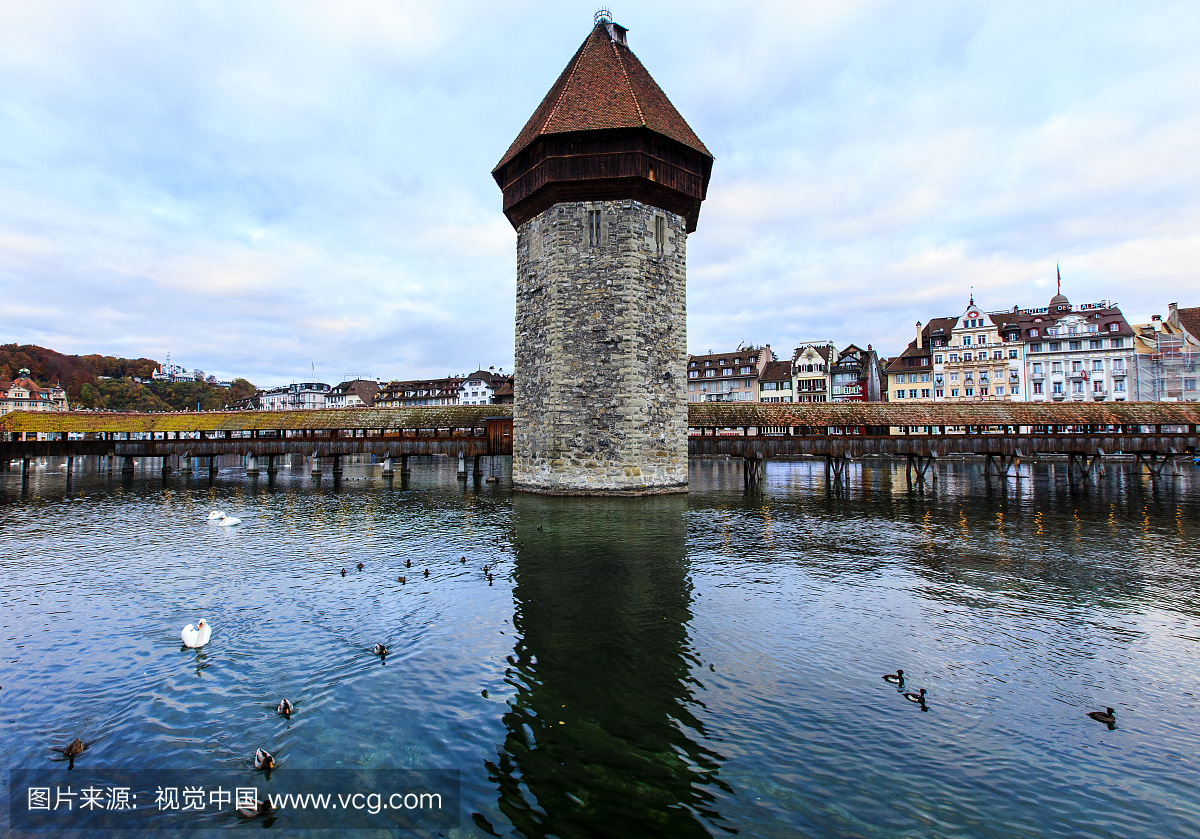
261,188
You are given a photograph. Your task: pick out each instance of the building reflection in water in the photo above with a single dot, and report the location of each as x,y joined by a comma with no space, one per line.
602,737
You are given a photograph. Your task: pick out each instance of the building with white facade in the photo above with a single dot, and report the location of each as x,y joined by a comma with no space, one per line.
1082,354
810,371
175,373
298,396
480,387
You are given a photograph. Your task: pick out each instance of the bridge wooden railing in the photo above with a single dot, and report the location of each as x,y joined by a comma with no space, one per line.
751,431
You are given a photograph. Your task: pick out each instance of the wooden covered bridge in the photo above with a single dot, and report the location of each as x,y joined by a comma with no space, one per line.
1003,432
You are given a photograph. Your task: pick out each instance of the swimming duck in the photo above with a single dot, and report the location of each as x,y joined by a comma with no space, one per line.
75,748
408,563
485,569
360,566
402,580
343,572
216,514
260,808
263,760
916,697
380,650
464,559
196,636
896,678
1108,716
426,572
285,708
228,521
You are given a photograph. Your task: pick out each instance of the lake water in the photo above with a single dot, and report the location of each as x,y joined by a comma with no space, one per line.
677,666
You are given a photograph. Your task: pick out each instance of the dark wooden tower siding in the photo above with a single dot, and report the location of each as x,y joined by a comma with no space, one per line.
604,132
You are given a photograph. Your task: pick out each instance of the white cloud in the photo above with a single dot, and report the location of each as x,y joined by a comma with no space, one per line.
262,187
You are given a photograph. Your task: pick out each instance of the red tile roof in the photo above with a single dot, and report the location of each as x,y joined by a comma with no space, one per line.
604,86
1189,319
776,371
936,326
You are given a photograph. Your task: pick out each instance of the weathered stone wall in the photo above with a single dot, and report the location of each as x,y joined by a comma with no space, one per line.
601,348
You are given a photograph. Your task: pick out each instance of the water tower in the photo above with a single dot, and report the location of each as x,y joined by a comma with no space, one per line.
603,184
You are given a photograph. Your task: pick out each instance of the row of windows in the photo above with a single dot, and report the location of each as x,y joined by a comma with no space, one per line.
1093,344
997,355
968,375
939,393
1098,387
1118,366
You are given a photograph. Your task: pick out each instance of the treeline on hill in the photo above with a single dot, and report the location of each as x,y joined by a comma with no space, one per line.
80,376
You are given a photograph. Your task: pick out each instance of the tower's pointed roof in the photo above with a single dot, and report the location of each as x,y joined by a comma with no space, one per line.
605,86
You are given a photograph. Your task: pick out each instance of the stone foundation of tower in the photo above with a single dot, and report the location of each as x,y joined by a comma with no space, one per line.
600,401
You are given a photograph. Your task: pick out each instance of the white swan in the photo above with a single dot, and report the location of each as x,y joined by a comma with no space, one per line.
228,521
216,514
196,636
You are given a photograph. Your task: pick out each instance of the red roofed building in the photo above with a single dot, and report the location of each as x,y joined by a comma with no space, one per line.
24,394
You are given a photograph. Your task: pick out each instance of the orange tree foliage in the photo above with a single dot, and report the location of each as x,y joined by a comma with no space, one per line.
106,382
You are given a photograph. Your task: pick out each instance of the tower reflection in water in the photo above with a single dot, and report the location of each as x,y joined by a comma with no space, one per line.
602,735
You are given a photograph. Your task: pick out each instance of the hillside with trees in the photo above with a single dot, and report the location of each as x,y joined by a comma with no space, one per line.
103,382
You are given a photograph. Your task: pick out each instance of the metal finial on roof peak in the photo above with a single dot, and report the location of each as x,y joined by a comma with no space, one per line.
603,16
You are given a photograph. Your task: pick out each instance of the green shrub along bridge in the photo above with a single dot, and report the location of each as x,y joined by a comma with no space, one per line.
1155,433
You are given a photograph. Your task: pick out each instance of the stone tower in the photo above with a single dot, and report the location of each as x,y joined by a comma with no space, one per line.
603,184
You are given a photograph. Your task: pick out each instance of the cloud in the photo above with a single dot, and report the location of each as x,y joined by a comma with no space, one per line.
258,188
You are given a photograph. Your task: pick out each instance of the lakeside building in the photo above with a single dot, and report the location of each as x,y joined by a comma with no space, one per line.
775,382
1082,354
169,372
481,387
910,374
354,393
253,402
855,376
1054,353
24,394
504,393
727,377
983,360
298,396
1167,357
810,371
420,392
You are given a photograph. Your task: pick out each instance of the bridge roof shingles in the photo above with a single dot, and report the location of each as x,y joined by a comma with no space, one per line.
456,416
926,413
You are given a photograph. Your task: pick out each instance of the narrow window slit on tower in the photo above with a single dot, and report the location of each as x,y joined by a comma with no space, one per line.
660,233
593,227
